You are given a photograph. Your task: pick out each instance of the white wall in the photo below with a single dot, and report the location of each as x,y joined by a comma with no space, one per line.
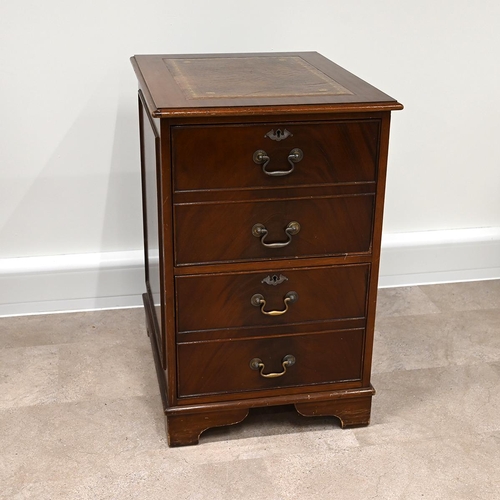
69,163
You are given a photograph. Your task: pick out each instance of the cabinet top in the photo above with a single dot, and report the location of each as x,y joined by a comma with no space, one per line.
268,83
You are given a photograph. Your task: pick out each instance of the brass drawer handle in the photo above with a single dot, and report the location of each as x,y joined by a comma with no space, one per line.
258,300
257,364
260,231
261,158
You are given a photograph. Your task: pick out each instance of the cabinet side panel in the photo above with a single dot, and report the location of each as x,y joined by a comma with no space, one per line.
150,159
167,260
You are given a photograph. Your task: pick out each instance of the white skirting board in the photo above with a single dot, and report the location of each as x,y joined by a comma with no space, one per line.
429,257
64,283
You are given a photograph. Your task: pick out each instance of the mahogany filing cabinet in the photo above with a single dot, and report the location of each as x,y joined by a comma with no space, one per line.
263,181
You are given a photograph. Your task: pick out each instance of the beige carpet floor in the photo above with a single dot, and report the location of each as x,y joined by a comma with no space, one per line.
81,416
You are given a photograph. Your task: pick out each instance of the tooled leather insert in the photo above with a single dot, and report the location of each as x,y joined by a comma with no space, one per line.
253,76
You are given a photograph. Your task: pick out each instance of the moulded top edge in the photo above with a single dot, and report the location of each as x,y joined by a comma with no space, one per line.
274,110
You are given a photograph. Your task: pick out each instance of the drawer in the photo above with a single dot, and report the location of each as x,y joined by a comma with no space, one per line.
222,156
225,367
226,232
219,301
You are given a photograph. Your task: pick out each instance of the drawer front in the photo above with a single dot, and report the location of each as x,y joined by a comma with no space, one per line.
225,232
222,156
218,301
225,367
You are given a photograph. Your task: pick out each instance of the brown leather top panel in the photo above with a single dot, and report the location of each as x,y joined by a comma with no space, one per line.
252,76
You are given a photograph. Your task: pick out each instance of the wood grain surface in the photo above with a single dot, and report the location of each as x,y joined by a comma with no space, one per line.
222,232
168,96
221,157
208,302
218,367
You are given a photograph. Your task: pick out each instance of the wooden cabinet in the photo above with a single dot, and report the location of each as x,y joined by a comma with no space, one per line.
263,182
